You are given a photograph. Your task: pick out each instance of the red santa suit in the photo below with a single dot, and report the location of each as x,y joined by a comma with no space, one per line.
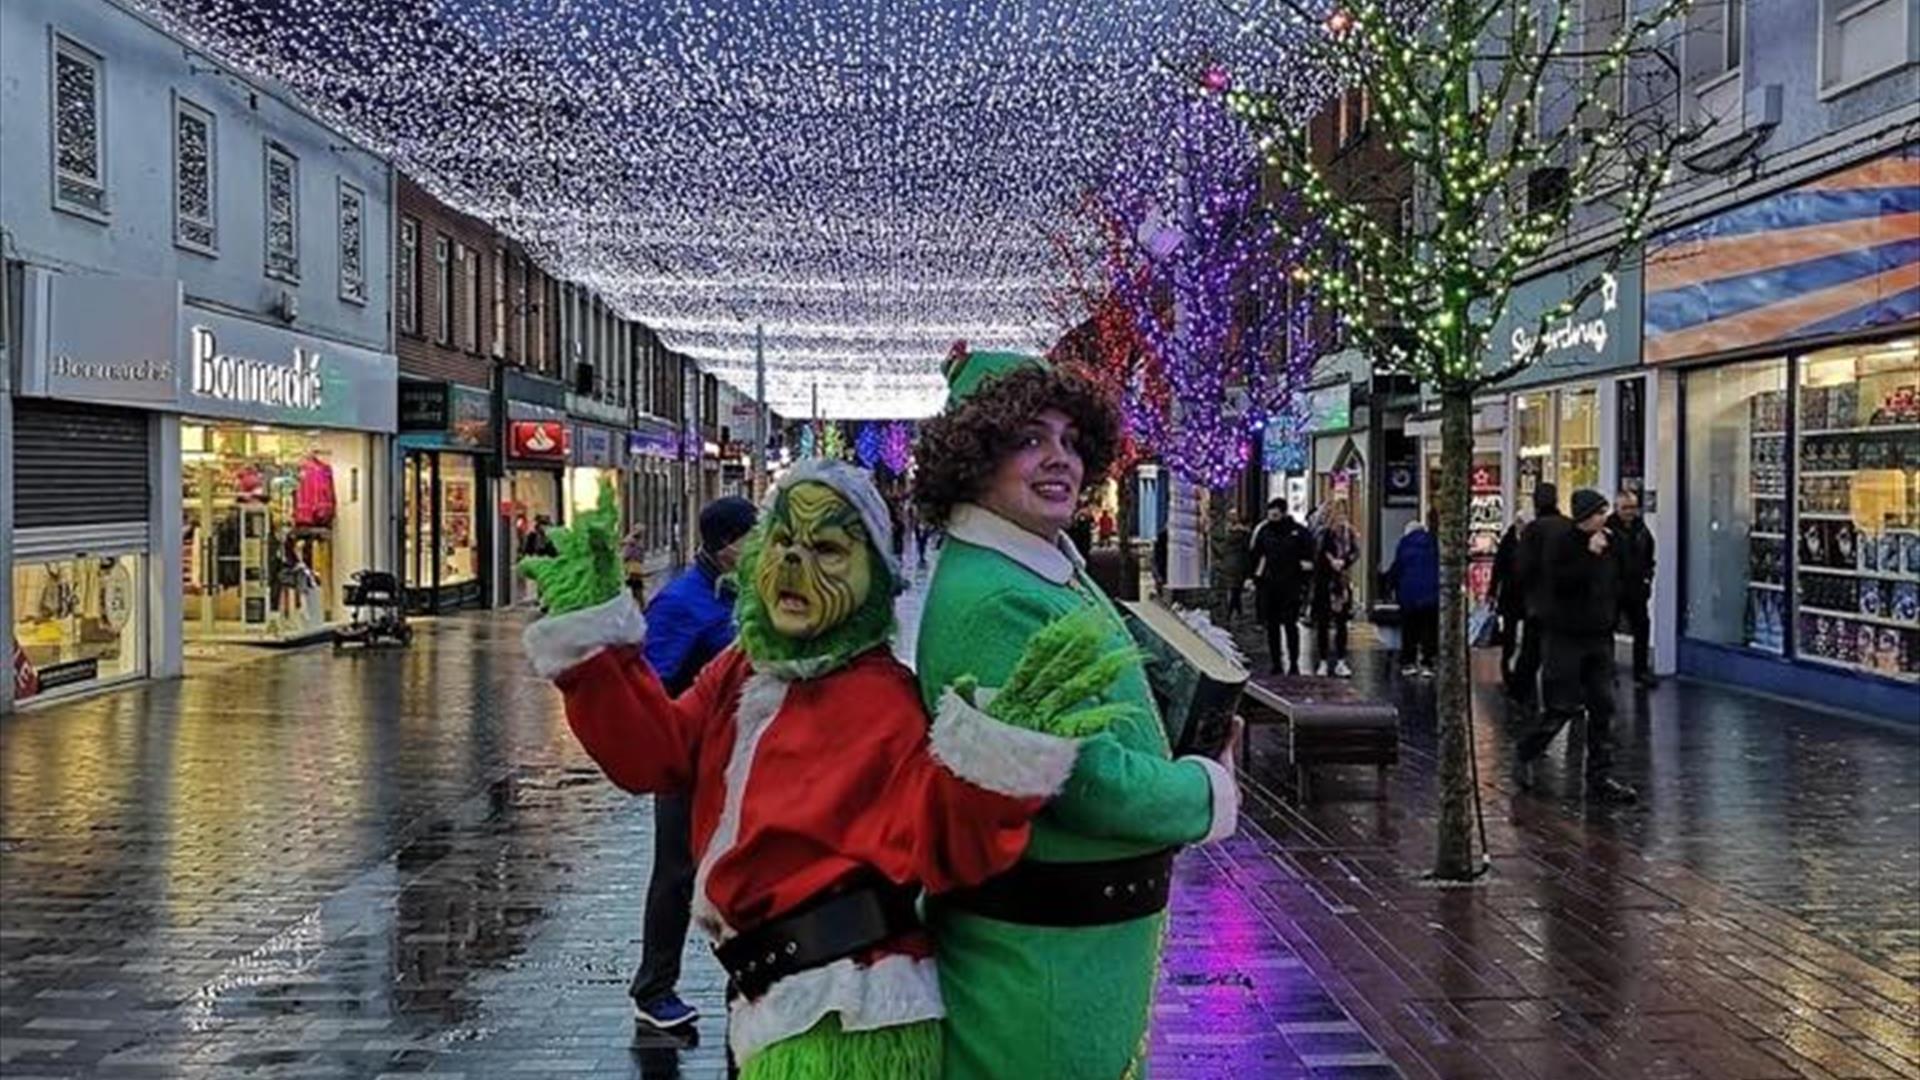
802,786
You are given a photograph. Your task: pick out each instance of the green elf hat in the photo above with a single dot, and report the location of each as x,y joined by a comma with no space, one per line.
967,371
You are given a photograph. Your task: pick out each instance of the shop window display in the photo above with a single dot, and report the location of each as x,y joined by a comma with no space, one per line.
76,622
1857,525
1533,441
1578,441
1736,544
273,526
440,551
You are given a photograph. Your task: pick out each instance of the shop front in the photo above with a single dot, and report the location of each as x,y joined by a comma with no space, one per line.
281,444
446,445
595,461
1790,327
181,474
535,444
654,493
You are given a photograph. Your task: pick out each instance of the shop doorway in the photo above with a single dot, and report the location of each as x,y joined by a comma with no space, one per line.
444,540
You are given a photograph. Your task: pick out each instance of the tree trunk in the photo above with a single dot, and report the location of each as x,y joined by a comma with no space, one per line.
1453,859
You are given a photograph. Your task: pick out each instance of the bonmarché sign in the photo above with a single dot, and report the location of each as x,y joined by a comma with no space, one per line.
135,342
1601,334
292,384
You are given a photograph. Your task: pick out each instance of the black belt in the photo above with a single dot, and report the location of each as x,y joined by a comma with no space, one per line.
816,935
1072,893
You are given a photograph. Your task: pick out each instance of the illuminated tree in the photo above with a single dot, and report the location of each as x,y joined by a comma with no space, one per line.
1515,122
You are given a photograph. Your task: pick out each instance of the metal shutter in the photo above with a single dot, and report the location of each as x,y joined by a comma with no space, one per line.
78,464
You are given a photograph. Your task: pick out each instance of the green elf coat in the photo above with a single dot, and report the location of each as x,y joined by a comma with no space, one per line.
1033,1001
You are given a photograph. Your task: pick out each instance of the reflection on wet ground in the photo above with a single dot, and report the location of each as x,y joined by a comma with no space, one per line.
396,863
319,866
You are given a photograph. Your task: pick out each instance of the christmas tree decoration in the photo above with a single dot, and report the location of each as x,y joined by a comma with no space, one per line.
866,445
1516,119
865,181
833,440
809,441
896,447
1201,269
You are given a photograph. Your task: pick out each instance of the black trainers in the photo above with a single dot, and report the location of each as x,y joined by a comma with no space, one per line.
665,1012
1607,789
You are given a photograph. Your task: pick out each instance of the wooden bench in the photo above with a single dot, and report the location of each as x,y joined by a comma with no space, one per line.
1328,723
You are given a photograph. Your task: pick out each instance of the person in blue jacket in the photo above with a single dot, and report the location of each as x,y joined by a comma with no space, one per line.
688,623
1415,576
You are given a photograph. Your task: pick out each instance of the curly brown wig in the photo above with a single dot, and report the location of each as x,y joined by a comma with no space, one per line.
957,452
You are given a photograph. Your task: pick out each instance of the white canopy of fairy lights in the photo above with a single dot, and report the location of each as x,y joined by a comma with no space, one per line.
866,179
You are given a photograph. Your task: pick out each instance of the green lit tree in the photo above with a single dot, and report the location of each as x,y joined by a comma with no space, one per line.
1522,124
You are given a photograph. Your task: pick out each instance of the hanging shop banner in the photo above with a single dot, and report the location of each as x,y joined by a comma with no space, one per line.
539,440
1602,334
1833,255
653,440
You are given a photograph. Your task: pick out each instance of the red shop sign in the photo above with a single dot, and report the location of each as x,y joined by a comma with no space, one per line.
547,440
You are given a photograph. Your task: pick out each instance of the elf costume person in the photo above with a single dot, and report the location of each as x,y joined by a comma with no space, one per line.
1048,970
823,801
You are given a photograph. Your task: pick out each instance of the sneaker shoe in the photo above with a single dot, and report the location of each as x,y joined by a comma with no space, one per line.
1607,789
1342,671
1426,672
1409,670
1321,669
664,1012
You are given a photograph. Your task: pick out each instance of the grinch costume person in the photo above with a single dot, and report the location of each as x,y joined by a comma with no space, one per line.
823,801
1048,970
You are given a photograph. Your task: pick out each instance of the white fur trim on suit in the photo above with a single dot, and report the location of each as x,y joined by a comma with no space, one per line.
999,757
893,990
1226,798
760,700
559,642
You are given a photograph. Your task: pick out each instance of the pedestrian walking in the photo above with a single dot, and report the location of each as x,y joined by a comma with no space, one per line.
1334,555
1230,560
1637,561
1585,572
1415,577
1108,527
1282,552
1541,537
688,624
1507,595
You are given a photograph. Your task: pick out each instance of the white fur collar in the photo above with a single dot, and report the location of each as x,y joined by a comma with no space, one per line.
972,523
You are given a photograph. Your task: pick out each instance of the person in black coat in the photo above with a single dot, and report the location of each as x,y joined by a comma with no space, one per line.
1637,556
1542,536
1585,576
1508,598
1282,553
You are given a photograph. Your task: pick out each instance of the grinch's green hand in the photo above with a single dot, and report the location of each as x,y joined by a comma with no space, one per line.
1057,683
587,569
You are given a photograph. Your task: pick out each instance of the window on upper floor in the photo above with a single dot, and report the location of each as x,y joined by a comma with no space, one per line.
407,277
353,243
1713,38
79,129
283,213
443,282
1862,40
470,275
195,224
499,304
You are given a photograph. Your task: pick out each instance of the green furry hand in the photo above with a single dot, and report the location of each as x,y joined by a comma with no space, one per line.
587,571
1057,682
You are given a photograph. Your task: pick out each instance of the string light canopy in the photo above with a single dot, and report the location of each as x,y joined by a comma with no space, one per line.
867,180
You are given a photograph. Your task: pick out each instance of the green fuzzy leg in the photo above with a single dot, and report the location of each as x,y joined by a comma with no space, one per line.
587,571
1059,673
825,1052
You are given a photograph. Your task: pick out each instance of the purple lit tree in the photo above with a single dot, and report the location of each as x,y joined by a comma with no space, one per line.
1204,270
896,447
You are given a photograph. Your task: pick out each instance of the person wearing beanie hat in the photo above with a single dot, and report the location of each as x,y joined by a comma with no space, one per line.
823,801
1584,577
1048,971
1530,578
692,621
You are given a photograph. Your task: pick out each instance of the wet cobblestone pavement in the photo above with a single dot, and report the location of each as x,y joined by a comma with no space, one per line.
303,865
